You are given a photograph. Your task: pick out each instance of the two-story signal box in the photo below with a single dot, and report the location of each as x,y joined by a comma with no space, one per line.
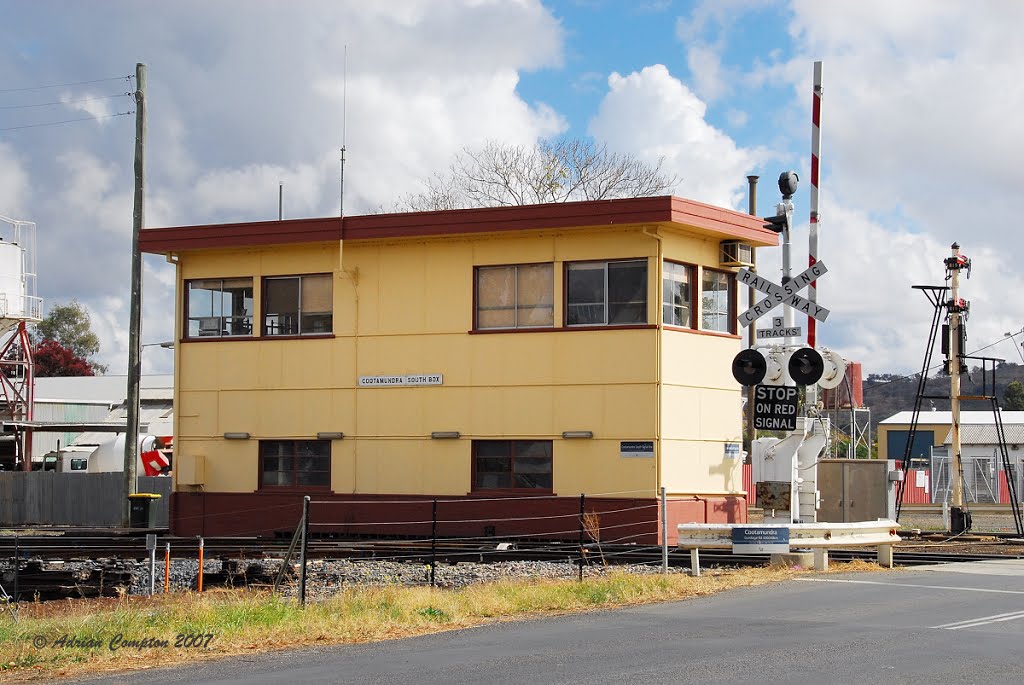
502,360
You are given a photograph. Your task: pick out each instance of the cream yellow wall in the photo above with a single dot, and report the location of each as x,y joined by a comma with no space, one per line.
940,431
406,306
701,411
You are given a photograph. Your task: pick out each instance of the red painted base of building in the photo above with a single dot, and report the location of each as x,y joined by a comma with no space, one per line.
620,520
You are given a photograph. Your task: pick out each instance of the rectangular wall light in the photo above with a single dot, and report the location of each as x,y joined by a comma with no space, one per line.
577,434
444,435
236,436
328,435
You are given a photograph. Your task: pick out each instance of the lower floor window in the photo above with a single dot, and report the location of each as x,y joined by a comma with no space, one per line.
295,463
512,465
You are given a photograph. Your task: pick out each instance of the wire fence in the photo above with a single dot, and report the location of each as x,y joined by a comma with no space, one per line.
603,530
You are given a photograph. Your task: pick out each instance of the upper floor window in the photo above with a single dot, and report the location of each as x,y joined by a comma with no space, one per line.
512,465
606,293
677,294
218,307
297,305
295,463
519,296
716,301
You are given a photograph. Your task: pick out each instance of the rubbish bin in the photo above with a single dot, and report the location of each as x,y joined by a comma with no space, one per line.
142,509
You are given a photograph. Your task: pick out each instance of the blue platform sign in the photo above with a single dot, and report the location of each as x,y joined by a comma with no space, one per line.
760,540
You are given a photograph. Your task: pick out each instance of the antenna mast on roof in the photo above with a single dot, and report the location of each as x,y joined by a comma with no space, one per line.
344,104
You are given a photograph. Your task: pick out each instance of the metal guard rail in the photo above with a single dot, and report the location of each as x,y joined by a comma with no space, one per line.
881,534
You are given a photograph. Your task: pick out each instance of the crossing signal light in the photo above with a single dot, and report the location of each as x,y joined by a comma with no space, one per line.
805,366
749,367
779,366
775,223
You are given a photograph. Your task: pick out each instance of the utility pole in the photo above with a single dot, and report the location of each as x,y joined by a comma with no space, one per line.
131,440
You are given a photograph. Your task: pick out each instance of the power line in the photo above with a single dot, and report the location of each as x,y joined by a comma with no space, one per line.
61,85
67,121
939,366
67,102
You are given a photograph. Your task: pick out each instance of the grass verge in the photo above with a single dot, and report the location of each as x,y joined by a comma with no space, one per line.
78,637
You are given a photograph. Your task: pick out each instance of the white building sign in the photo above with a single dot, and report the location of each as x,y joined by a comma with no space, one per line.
400,381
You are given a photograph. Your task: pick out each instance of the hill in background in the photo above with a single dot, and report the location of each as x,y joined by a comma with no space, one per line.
888,394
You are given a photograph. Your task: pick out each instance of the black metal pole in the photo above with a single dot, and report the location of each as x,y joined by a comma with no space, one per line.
582,504
305,546
433,542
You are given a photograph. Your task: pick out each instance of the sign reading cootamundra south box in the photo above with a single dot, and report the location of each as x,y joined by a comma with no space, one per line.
400,381
775,407
636,448
760,540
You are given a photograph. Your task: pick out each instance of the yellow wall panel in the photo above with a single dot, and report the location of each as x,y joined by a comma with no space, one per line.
196,413
697,360
594,467
229,465
695,467
696,414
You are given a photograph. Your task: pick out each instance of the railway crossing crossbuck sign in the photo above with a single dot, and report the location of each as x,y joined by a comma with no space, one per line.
782,294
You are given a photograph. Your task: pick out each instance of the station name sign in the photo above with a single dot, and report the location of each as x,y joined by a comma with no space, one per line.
775,407
400,381
760,540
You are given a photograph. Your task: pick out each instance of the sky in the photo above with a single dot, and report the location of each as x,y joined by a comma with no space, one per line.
918,131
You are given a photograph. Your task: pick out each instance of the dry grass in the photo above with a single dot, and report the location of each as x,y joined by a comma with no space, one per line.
246,622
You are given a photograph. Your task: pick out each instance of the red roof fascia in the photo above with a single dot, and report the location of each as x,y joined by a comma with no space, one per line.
461,221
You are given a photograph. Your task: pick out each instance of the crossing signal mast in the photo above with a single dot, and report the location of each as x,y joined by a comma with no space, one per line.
778,367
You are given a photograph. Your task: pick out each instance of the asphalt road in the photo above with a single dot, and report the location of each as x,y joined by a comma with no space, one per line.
960,623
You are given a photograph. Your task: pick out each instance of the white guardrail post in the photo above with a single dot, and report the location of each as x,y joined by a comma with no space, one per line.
771,538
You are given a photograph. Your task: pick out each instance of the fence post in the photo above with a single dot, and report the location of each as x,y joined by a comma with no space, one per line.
433,541
167,568
17,567
664,532
151,548
582,505
303,548
199,578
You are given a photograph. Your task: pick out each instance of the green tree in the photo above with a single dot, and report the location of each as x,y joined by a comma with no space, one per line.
1013,397
69,325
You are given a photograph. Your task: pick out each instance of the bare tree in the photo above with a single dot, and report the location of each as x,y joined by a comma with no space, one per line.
565,170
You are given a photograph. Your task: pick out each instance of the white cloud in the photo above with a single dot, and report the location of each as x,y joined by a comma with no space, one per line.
13,184
652,114
94,105
242,95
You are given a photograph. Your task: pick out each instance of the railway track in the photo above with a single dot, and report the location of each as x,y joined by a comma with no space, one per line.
94,547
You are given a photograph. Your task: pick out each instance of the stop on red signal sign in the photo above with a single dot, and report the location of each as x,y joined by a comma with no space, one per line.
775,407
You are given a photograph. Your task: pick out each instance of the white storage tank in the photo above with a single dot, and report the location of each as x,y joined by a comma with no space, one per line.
18,301
12,281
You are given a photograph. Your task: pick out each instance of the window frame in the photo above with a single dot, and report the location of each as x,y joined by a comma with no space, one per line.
321,444
691,270
515,305
606,262
474,489
223,319
730,282
263,314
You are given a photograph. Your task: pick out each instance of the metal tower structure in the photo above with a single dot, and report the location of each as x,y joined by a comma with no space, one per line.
947,304
19,306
